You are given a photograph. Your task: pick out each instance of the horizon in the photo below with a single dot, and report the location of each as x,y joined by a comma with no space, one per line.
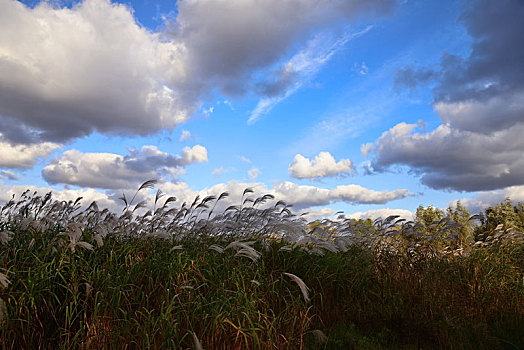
367,107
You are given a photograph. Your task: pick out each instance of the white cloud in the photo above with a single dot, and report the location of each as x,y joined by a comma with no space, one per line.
366,148
316,214
6,174
382,213
246,160
306,196
229,104
88,195
323,165
361,68
300,196
253,173
114,171
220,171
68,72
24,156
196,154
208,111
185,135
484,199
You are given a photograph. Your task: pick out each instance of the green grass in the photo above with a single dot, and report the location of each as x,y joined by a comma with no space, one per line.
136,293
141,292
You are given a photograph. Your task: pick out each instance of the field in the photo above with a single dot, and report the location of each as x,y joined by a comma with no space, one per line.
254,276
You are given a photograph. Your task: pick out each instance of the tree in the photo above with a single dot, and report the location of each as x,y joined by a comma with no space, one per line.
503,216
429,216
461,216
446,228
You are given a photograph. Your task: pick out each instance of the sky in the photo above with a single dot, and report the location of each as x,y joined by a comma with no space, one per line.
370,107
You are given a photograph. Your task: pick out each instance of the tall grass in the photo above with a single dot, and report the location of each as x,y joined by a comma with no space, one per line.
250,276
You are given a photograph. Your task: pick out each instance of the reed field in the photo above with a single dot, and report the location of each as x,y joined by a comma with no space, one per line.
256,276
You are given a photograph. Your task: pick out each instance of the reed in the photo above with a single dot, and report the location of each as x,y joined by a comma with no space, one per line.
254,276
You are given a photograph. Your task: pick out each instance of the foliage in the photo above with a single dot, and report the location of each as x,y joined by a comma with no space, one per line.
462,216
503,217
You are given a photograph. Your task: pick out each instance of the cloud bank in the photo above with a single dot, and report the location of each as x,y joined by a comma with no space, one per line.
301,197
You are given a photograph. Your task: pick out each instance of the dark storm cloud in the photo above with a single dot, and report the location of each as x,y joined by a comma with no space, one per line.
450,159
411,77
494,65
480,100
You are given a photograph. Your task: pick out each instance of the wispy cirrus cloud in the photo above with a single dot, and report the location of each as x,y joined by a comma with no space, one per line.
245,159
299,70
221,171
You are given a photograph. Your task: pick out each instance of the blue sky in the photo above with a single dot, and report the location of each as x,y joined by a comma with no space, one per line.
368,107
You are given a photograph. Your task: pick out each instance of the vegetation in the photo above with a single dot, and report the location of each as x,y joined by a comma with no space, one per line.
256,276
